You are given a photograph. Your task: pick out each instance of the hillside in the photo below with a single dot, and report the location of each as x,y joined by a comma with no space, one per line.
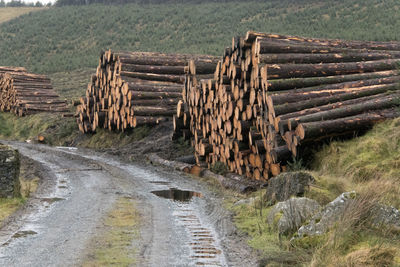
9,13
69,38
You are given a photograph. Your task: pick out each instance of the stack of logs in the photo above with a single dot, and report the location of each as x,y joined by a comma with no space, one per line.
134,88
25,93
271,95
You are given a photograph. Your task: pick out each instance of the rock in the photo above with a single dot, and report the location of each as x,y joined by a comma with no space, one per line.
246,201
385,215
286,185
9,172
289,215
379,215
330,214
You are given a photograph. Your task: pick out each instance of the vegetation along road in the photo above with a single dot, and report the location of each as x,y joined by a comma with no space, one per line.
88,198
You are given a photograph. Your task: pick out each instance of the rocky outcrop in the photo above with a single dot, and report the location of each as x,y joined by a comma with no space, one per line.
385,216
286,185
289,215
9,172
330,214
378,215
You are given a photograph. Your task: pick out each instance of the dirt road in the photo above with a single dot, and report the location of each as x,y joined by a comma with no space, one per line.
80,188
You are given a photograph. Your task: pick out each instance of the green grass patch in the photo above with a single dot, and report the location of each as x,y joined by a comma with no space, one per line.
71,84
56,130
107,139
250,219
8,206
114,246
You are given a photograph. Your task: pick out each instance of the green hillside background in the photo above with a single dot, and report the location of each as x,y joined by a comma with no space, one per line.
69,38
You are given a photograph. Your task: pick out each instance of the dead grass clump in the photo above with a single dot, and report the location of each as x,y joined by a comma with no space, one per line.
376,256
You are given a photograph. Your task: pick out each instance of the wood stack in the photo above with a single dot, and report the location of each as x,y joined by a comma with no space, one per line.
321,89
271,94
24,93
134,88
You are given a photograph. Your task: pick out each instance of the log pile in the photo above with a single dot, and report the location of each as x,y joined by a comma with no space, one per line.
134,88
271,95
25,93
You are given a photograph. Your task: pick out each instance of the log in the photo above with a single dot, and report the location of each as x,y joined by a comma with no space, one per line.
348,110
293,107
281,71
354,123
154,77
287,84
153,111
298,58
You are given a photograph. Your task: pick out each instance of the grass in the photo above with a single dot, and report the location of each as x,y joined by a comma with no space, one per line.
8,206
68,38
106,139
114,246
71,84
56,130
369,161
9,13
250,218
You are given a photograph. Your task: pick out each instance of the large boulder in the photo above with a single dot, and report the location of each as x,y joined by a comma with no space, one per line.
383,215
321,222
9,172
289,215
330,214
288,184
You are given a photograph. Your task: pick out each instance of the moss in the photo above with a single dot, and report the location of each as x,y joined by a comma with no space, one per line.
309,242
277,217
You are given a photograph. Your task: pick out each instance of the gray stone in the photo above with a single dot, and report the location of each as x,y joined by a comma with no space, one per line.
386,216
288,184
9,172
289,215
330,214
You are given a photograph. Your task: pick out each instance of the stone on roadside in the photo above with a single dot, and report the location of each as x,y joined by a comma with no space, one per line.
331,213
9,172
286,185
289,215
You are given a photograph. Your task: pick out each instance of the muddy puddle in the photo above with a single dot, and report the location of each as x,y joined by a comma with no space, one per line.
177,194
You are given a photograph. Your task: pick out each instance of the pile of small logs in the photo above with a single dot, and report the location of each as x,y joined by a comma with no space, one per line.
24,93
272,95
134,88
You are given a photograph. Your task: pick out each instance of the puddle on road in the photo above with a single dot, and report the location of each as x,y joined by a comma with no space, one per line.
160,182
177,194
20,234
51,200
17,235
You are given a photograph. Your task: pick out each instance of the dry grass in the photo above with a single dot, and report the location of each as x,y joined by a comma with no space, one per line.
9,13
370,161
353,241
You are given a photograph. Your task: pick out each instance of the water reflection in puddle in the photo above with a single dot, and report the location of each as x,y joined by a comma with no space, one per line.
177,194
